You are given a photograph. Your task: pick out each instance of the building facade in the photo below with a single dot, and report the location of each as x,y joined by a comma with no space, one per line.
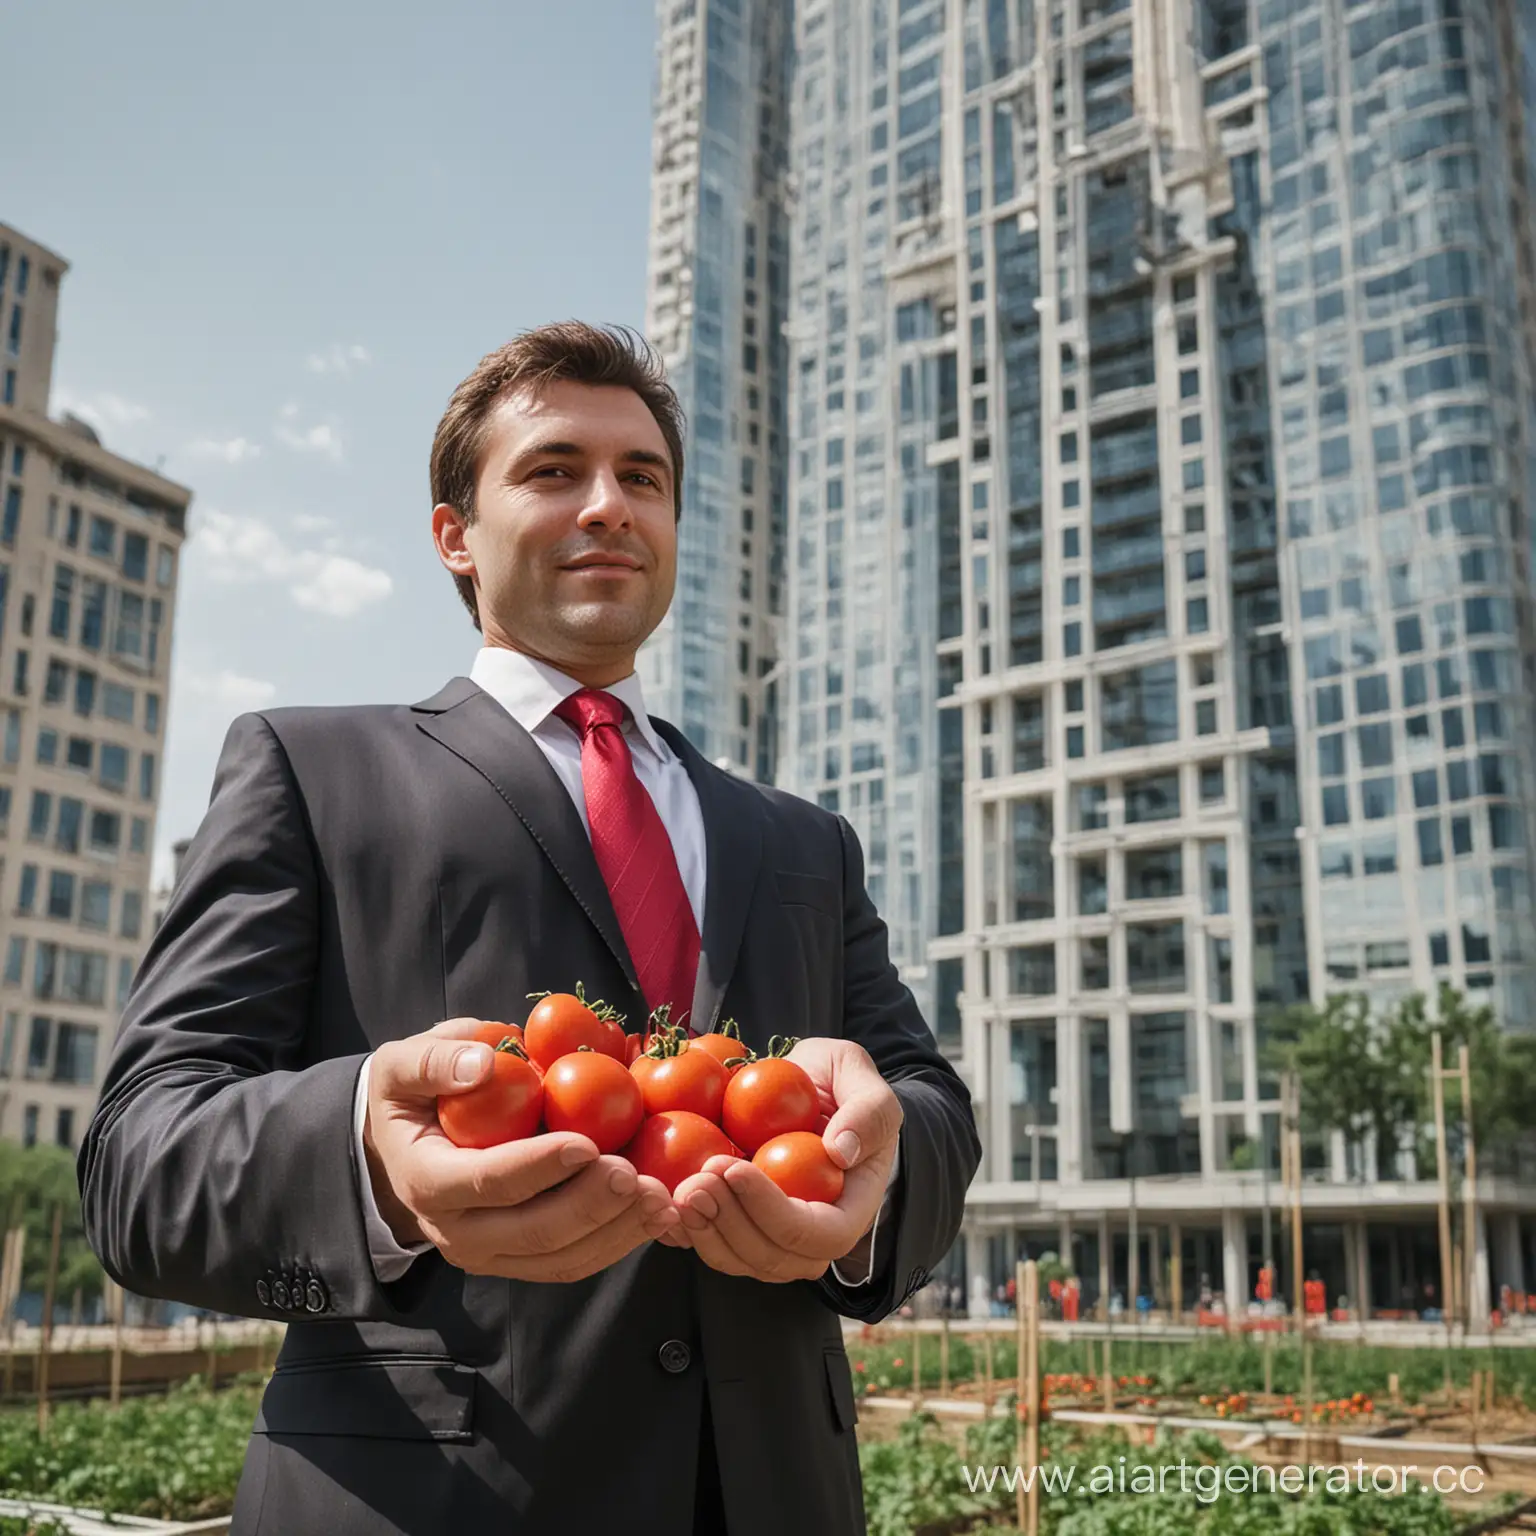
1161,435
718,277
89,553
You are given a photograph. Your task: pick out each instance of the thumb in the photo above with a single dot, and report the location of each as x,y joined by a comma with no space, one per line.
429,1065
868,1119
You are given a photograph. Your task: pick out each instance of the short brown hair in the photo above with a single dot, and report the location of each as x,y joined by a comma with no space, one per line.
571,350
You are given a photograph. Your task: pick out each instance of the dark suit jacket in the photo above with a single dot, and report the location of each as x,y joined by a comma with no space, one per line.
361,874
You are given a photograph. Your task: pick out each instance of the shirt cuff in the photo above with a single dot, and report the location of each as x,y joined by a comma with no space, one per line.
874,1231
390,1260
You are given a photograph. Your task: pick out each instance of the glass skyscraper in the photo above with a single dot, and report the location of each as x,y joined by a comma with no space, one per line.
1159,463
718,279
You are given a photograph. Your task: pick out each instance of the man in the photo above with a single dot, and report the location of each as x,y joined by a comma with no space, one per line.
530,1339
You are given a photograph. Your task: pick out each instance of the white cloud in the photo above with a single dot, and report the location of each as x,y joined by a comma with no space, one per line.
339,358
320,438
229,549
342,587
104,411
311,522
224,694
227,450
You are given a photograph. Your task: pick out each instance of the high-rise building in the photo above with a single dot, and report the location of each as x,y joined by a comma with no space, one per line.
1162,454
718,280
89,547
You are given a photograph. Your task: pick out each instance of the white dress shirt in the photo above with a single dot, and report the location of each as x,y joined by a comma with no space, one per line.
530,691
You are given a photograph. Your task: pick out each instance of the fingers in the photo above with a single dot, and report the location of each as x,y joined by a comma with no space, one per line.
436,1178
428,1065
868,1116
728,1237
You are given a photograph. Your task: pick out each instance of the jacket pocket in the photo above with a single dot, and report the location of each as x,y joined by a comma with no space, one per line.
384,1397
840,1379
805,890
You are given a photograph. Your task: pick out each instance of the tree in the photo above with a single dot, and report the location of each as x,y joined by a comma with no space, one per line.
32,1181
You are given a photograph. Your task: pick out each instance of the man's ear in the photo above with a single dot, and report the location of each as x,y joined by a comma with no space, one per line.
448,529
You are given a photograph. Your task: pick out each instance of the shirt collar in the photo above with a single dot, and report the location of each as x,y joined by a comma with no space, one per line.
530,691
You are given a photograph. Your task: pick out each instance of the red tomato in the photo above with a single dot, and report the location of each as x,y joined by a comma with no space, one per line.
593,1095
676,1144
724,1044
798,1162
765,1099
505,1107
493,1033
691,1079
561,1023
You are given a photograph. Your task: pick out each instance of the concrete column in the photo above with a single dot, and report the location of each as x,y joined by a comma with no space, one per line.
1477,1302
1361,1281
1175,1272
979,1281
1234,1262
1104,1259
1509,1258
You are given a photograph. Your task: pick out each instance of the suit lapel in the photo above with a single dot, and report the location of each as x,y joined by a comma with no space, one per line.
474,727
733,844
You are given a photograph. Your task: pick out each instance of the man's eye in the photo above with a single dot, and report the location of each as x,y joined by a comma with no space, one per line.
644,478
552,469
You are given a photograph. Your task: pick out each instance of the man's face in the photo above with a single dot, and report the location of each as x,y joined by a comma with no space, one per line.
574,542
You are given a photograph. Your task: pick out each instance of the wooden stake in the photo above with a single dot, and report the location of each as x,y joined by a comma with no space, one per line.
11,1281
1269,1364
988,1390
1469,1180
944,1358
1029,1499
1394,1390
917,1368
1297,1266
45,1343
1306,1400
113,1296
213,1353
1109,1379
1477,1401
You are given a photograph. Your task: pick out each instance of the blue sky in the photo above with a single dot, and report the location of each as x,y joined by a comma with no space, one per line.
291,230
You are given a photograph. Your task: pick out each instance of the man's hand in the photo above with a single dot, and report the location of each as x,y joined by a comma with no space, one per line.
740,1222
547,1208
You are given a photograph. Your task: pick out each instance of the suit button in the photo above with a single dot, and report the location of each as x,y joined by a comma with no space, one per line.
280,1294
314,1296
264,1293
675,1356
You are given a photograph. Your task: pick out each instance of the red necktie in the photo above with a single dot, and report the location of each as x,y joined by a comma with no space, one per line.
635,855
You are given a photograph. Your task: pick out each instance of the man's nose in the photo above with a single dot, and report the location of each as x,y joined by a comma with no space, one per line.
606,505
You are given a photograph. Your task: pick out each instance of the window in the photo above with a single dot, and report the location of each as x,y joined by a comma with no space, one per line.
165,565
1028,733
1213,783
85,693
1092,887
1220,973
93,612
40,818
1139,708
138,834
96,904
74,1054
1153,874
103,539
47,746
1205,717
1378,798
1155,957
67,835
147,773
80,753
26,889
63,598
117,702
39,1040
1093,962
1214,858
29,1126
64,1127
114,766
61,894
128,639
1154,797
136,548
55,682
15,960
106,831
1032,970
1092,809
133,914
1431,848
152,713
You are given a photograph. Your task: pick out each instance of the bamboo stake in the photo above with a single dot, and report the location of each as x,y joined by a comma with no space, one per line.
1306,1400
1477,1401
1442,1174
213,1353
1029,1510
45,1342
988,1390
1109,1379
917,1369
12,1283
